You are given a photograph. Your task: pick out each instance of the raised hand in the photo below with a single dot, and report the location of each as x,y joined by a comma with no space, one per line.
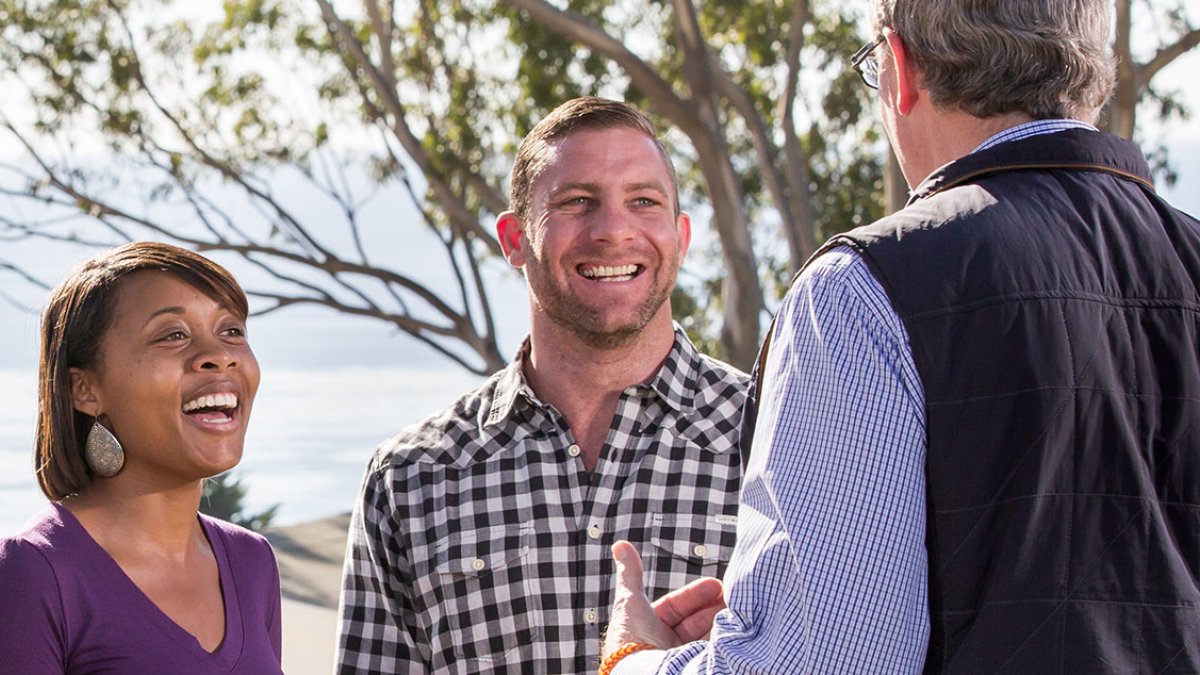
681,616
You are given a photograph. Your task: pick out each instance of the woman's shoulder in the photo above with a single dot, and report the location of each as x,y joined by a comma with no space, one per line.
36,586
43,536
20,555
33,562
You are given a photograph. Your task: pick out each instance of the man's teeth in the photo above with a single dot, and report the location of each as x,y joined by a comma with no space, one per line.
609,271
212,401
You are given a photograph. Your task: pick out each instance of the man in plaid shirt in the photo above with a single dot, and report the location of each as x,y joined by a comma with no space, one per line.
480,540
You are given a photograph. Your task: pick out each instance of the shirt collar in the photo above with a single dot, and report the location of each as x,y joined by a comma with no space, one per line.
510,387
676,381
1034,128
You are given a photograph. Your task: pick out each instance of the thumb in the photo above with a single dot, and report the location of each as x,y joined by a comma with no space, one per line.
629,570
633,619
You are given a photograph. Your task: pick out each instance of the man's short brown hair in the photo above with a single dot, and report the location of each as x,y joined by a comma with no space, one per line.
578,114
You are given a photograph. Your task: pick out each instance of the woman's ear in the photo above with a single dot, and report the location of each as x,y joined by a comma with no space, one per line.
83,394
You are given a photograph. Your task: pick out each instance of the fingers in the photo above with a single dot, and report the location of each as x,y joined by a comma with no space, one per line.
689,611
681,603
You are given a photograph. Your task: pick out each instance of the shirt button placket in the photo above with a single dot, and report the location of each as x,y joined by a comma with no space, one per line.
589,615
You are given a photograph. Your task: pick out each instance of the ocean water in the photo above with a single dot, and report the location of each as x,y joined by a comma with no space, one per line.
310,435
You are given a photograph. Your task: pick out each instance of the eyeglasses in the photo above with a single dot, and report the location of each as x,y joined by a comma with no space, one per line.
865,64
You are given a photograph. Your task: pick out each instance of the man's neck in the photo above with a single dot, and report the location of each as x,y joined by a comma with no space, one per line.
956,134
584,381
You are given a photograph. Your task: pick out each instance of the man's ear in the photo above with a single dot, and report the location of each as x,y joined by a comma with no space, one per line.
908,76
683,233
511,233
83,394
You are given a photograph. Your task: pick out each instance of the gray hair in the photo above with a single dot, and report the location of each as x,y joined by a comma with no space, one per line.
1046,58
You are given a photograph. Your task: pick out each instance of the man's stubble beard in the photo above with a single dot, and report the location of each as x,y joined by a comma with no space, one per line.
564,309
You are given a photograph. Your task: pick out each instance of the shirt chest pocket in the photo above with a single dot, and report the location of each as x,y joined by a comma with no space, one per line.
683,547
486,585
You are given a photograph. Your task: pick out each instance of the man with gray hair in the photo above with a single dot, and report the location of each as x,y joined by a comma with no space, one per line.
976,429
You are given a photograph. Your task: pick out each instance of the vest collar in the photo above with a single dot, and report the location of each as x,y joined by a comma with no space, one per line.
1079,149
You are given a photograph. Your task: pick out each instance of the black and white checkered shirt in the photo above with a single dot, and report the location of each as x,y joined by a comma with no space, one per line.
480,543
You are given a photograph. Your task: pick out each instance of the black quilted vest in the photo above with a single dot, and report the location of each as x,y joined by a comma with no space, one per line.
1051,303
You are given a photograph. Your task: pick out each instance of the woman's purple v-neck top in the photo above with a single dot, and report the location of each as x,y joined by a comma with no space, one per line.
66,607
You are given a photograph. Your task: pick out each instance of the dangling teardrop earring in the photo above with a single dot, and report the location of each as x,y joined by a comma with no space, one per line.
103,451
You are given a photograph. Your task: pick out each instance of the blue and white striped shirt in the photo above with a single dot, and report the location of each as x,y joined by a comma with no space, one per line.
830,570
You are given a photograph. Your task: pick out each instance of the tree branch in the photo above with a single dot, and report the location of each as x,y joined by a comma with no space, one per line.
1167,54
574,26
455,209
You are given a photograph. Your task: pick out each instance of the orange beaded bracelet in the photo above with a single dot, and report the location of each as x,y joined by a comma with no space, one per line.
624,650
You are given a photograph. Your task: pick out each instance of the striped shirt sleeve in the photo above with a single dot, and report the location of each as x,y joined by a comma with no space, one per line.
829,574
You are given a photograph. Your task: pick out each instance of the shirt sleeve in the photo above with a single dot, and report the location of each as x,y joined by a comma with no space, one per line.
377,634
32,639
830,569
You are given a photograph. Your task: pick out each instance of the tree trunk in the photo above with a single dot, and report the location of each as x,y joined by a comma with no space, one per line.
741,291
743,296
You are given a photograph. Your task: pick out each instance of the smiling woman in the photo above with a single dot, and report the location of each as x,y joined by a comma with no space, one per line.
174,365
146,385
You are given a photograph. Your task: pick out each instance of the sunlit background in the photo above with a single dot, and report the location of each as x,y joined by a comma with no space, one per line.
334,386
